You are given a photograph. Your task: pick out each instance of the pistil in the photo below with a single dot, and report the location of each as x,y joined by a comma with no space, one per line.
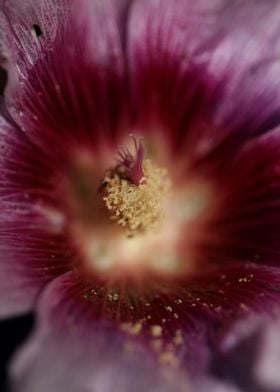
132,165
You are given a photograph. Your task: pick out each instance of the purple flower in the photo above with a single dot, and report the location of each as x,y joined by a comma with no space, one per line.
140,191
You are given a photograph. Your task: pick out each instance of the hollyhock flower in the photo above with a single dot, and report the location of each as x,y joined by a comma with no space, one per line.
139,187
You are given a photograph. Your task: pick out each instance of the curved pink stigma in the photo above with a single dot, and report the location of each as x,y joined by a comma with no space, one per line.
132,164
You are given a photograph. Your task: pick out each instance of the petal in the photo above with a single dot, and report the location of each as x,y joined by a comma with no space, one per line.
266,369
21,46
70,350
74,91
31,254
79,344
246,226
169,48
248,354
208,73
213,385
174,323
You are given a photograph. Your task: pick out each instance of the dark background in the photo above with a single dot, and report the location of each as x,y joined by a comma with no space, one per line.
12,333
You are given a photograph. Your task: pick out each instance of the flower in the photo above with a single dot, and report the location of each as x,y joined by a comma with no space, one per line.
139,186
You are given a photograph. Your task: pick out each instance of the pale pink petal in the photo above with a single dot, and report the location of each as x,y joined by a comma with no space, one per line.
71,351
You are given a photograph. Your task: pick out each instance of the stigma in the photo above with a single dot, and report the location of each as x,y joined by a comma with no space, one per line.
136,191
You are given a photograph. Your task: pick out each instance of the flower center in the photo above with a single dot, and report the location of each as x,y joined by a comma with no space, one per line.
126,217
137,207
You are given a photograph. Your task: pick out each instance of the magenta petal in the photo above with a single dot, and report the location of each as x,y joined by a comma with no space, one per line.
17,291
73,349
206,68
74,91
27,31
70,351
248,354
31,255
266,369
213,385
247,225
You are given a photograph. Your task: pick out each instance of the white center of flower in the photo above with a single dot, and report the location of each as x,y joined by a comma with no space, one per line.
151,253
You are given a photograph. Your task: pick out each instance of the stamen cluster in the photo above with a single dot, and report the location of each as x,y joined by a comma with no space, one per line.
137,208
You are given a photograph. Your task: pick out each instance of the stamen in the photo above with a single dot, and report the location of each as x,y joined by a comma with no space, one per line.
137,208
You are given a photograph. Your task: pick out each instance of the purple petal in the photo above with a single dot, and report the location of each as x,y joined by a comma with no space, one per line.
32,248
248,354
21,21
188,67
74,91
266,369
246,225
213,385
206,71
173,322
70,351
78,346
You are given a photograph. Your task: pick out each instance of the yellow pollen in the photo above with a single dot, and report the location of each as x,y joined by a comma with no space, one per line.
137,208
132,329
156,330
169,358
